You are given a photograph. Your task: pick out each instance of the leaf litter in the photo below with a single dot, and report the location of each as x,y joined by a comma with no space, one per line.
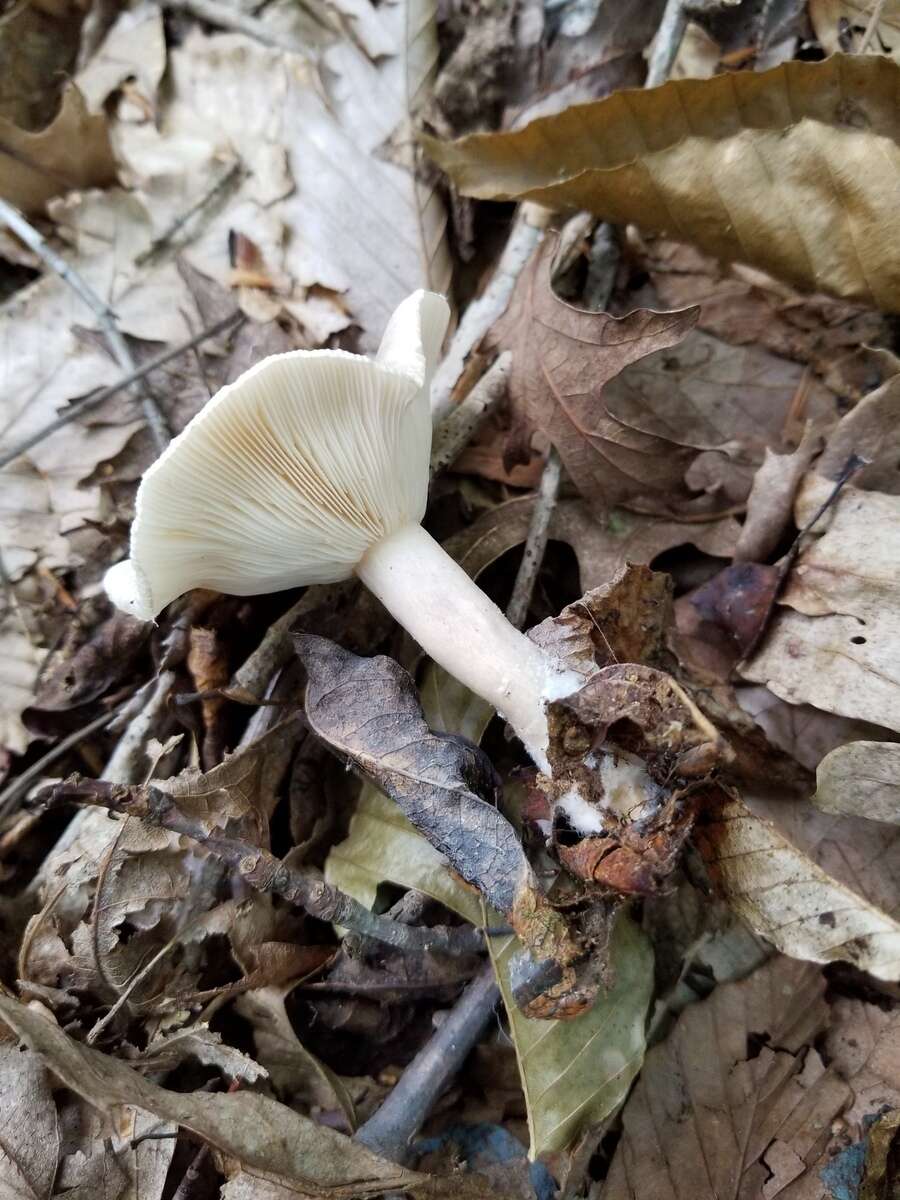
233,933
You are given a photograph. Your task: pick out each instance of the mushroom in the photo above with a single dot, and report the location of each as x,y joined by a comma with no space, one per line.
314,466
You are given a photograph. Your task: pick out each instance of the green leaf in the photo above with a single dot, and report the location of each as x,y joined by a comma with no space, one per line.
575,1072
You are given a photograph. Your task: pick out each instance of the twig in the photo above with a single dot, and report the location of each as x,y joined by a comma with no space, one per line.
874,19
225,16
392,1128
464,421
536,542
20,785
263,871
118,346
234,172
526,233
80,406
666,43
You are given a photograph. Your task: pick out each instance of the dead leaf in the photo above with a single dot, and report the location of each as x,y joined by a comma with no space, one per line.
698,160
741,1118
562,359
72,152
861,779
834,642
21,660
871,430
720,620
770,504
444,784
744,307
29,1134
134,48
269,1140
821,900
199,1042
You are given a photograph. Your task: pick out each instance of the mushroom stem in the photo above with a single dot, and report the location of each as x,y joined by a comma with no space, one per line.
462,629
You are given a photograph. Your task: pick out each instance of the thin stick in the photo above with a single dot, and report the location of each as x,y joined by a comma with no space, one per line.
224,16
392,1128
23,782
464,421
526,233
152,364
536,542
118,346
874,19
666,43
264,872
234,172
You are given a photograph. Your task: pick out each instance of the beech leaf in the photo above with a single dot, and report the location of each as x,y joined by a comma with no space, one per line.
792,170
713,1118
574,1073
562,358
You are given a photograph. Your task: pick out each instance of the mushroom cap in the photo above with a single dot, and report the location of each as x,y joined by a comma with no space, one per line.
288,475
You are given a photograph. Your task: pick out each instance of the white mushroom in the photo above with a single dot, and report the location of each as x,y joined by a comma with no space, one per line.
310,467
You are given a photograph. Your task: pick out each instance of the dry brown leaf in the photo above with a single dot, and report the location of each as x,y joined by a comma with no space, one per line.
771,501
861,779
871,429
72,152
834,644
745,307
819,888
562,359
792,170
269,1140
745,1114
29,1134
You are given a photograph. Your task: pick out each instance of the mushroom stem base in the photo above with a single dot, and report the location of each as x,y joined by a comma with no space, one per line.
462,629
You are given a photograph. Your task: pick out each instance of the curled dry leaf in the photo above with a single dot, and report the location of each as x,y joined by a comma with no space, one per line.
269,1140
871,430
367,709
834,644
72,152
562,358
736,1102
807,886
782,169
861,779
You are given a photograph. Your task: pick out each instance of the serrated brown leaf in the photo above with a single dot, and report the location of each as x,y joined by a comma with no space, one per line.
562,358
792,170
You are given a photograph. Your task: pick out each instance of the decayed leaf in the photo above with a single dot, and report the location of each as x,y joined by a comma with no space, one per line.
269,1140
134,48
871,429
861,779
735,1103
575,1072
842,24
295,1072
72,152
206,1046
29,1136
771,500
437,779
823,900
562,358
792,170
835,642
